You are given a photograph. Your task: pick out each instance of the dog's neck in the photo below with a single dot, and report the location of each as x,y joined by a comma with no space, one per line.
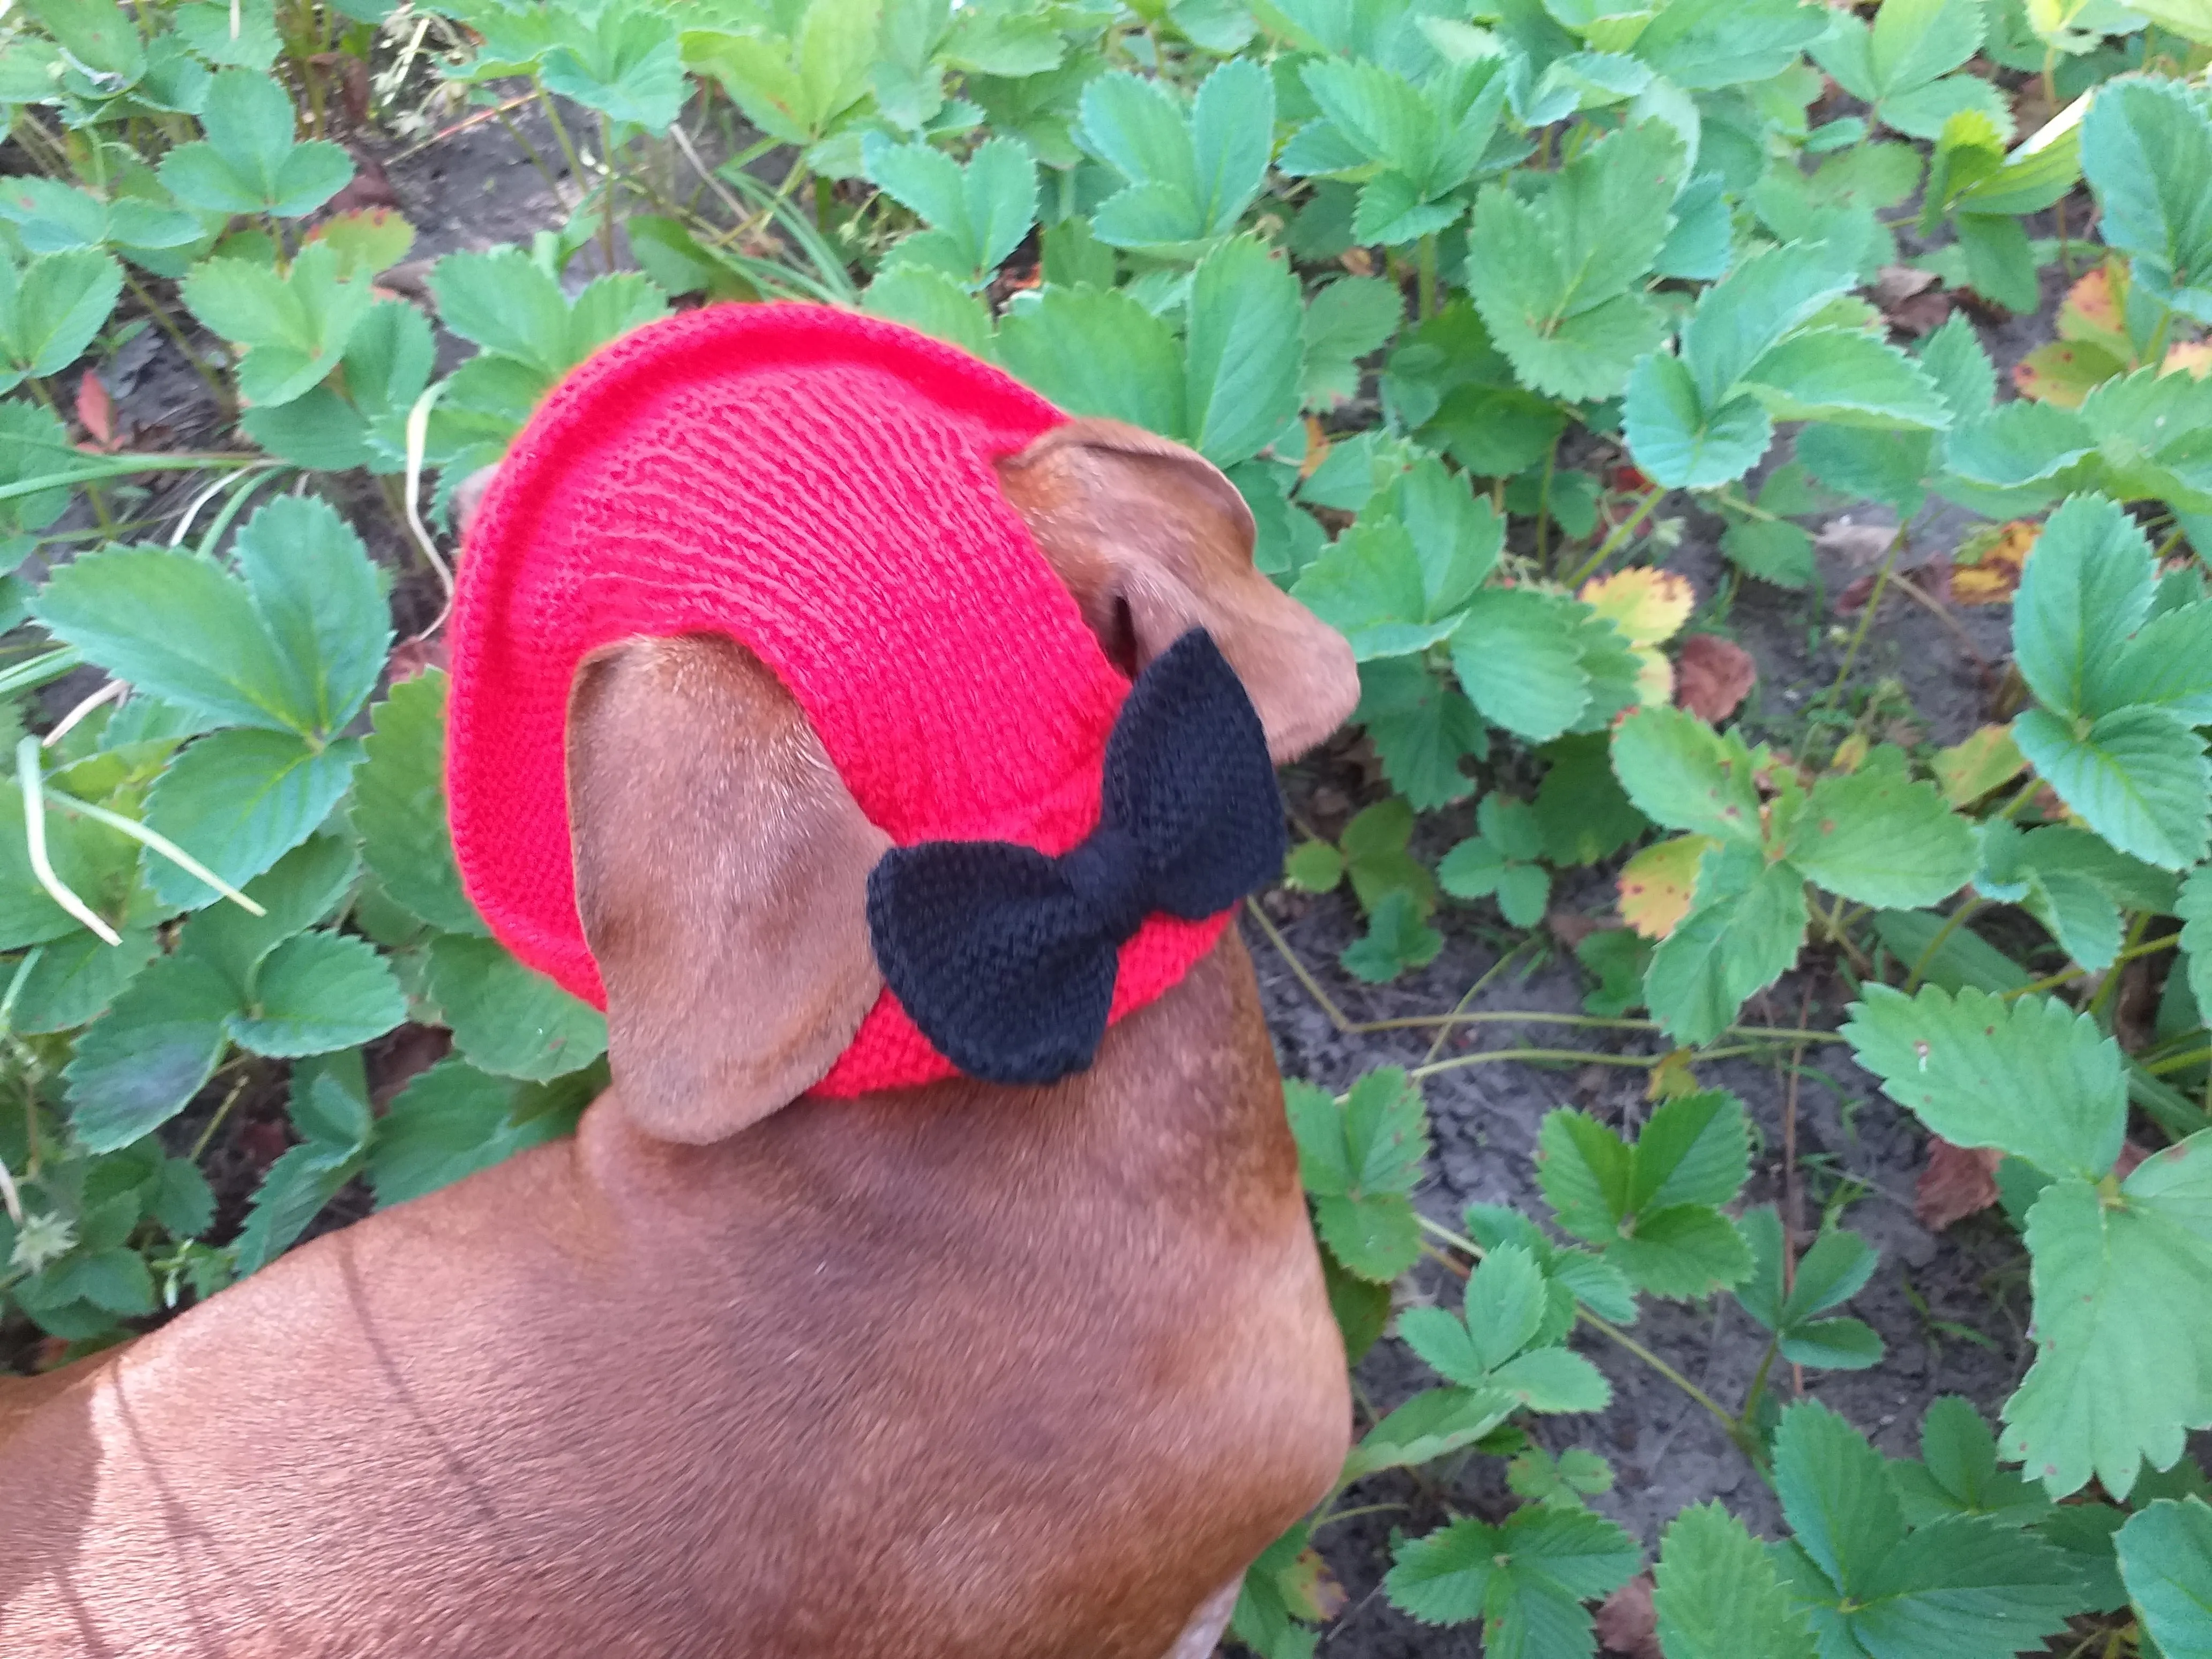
1182,1112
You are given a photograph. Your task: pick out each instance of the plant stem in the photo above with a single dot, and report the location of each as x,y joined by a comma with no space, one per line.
1544,510
1950,926
561,137
607,201
2178,1062
2165,942
1425,289
1866,617
2111,986
1622,532
1758,1385
122,466
167,324
1575,1056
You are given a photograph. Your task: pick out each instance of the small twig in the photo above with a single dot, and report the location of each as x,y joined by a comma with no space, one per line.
1622,532
29,779
113,691
418,435
1866,617
213,1123
145,837
1793,1188
1942,613
459,127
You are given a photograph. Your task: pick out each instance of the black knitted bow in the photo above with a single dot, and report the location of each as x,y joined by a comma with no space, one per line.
1005,956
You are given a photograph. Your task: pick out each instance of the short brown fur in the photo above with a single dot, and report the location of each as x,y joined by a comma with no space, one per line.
959,1370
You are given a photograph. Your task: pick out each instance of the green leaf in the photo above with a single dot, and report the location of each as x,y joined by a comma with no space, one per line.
1877,839
1717,1596
2028,1076
1189,181
323,603
1519,658
238,801
2123,1324
1346,321
1397,938
1421,729
1743,318
1680,773
77,976
454,1120
1834,1269
1314,867
1552,278
100,865
318,993
1582,811
2146,151
1526,1580
2016,444
986,208
206,27
1743,933
1368,586
1845,375
628,66
1678,442
2138,777
2165,1556
1097,353
933,302
399,806
2168,664
51,309
249,163
115,1280
2086,590
1361,1164
508,1019
305,885
98,33
1429,1426
1244,351
1958,1473
1699,45
141,1063
2194,906
173,625
294,327
297,1188
1835,1490
1651,1206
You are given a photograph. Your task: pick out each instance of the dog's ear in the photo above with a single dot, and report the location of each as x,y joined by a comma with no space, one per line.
722,877
1152,541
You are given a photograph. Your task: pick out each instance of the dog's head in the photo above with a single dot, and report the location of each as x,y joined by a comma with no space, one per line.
721,864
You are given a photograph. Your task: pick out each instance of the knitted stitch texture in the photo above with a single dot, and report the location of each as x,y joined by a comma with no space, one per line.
817,485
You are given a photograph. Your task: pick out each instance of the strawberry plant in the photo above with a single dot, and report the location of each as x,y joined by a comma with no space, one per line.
1481,309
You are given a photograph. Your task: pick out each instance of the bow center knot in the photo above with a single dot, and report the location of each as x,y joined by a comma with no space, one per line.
1106,871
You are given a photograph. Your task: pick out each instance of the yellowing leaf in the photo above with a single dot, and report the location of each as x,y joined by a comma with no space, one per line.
1646,605
1672,1077
1850,754
2194,356
1968,770
2092,311
1987,568
1657,883
2064,371
1655,677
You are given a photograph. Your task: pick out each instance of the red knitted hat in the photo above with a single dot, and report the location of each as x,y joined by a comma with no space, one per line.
818,486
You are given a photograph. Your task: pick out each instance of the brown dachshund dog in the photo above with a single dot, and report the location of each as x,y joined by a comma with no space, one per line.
959,1372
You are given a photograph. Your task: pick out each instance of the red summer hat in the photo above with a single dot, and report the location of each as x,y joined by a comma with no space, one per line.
818,486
